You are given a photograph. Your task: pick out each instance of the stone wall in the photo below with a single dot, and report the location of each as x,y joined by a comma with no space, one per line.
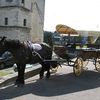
16,12
16,33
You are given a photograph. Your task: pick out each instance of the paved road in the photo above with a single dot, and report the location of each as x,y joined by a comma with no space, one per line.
62,85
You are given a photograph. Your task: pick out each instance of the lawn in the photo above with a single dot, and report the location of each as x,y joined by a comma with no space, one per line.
3,73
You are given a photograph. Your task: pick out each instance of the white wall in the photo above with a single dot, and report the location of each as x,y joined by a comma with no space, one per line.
4,3
37,20
15,33
15,17
27,3
34,16
11,14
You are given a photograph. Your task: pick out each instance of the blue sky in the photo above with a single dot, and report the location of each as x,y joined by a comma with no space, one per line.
78,14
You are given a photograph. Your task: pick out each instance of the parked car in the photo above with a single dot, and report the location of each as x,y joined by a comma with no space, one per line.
6,60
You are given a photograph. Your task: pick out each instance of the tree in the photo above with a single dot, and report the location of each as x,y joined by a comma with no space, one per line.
48,38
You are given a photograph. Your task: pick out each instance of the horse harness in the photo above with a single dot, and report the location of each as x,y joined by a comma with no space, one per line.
33,49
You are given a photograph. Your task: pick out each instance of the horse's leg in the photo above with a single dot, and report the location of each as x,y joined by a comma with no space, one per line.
42,70
20,79
41,73
48,71
45,67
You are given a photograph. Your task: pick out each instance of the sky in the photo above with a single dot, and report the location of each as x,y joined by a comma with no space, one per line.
78,14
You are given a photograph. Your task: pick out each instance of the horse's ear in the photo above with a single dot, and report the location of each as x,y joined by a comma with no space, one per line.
2,39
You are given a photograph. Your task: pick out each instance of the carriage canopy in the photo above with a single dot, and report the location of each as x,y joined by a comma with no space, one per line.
63,29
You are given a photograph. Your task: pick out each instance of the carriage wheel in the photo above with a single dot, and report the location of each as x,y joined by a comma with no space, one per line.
97,65
78,66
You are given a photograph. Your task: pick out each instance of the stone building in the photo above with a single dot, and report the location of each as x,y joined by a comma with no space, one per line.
22,19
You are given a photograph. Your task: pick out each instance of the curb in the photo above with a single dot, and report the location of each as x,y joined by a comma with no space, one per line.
9,79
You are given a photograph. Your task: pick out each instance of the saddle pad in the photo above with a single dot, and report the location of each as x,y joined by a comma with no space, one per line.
36,46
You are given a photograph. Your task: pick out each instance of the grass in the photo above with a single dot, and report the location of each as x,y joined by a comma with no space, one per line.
3,73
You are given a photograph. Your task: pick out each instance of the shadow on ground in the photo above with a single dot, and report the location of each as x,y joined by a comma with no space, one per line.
56,85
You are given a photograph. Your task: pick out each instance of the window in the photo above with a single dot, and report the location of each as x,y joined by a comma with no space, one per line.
23,1
6,21
24,22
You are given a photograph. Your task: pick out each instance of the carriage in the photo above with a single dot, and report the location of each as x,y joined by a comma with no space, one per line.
77,55
79,58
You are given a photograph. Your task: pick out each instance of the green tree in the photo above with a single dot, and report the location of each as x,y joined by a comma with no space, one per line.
48,38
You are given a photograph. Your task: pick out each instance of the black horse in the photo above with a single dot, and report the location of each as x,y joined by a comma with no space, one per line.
23,55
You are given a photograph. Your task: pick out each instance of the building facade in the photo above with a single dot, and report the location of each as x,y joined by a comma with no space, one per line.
22,19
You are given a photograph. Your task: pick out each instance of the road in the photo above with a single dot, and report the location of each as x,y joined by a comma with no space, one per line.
62,85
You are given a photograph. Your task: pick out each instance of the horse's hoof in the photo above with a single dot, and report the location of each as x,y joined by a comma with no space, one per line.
41,77
15,83
47,77
20,85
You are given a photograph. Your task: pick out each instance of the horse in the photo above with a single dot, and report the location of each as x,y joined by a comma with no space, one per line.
23,54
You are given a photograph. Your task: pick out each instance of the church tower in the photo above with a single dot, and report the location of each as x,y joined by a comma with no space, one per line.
22,19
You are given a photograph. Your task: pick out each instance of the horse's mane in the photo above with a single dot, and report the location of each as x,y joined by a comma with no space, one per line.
12,43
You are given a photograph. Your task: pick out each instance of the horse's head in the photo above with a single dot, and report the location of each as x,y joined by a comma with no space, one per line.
2,44
10,45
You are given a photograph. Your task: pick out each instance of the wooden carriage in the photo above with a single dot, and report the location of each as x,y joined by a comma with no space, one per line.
81,57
